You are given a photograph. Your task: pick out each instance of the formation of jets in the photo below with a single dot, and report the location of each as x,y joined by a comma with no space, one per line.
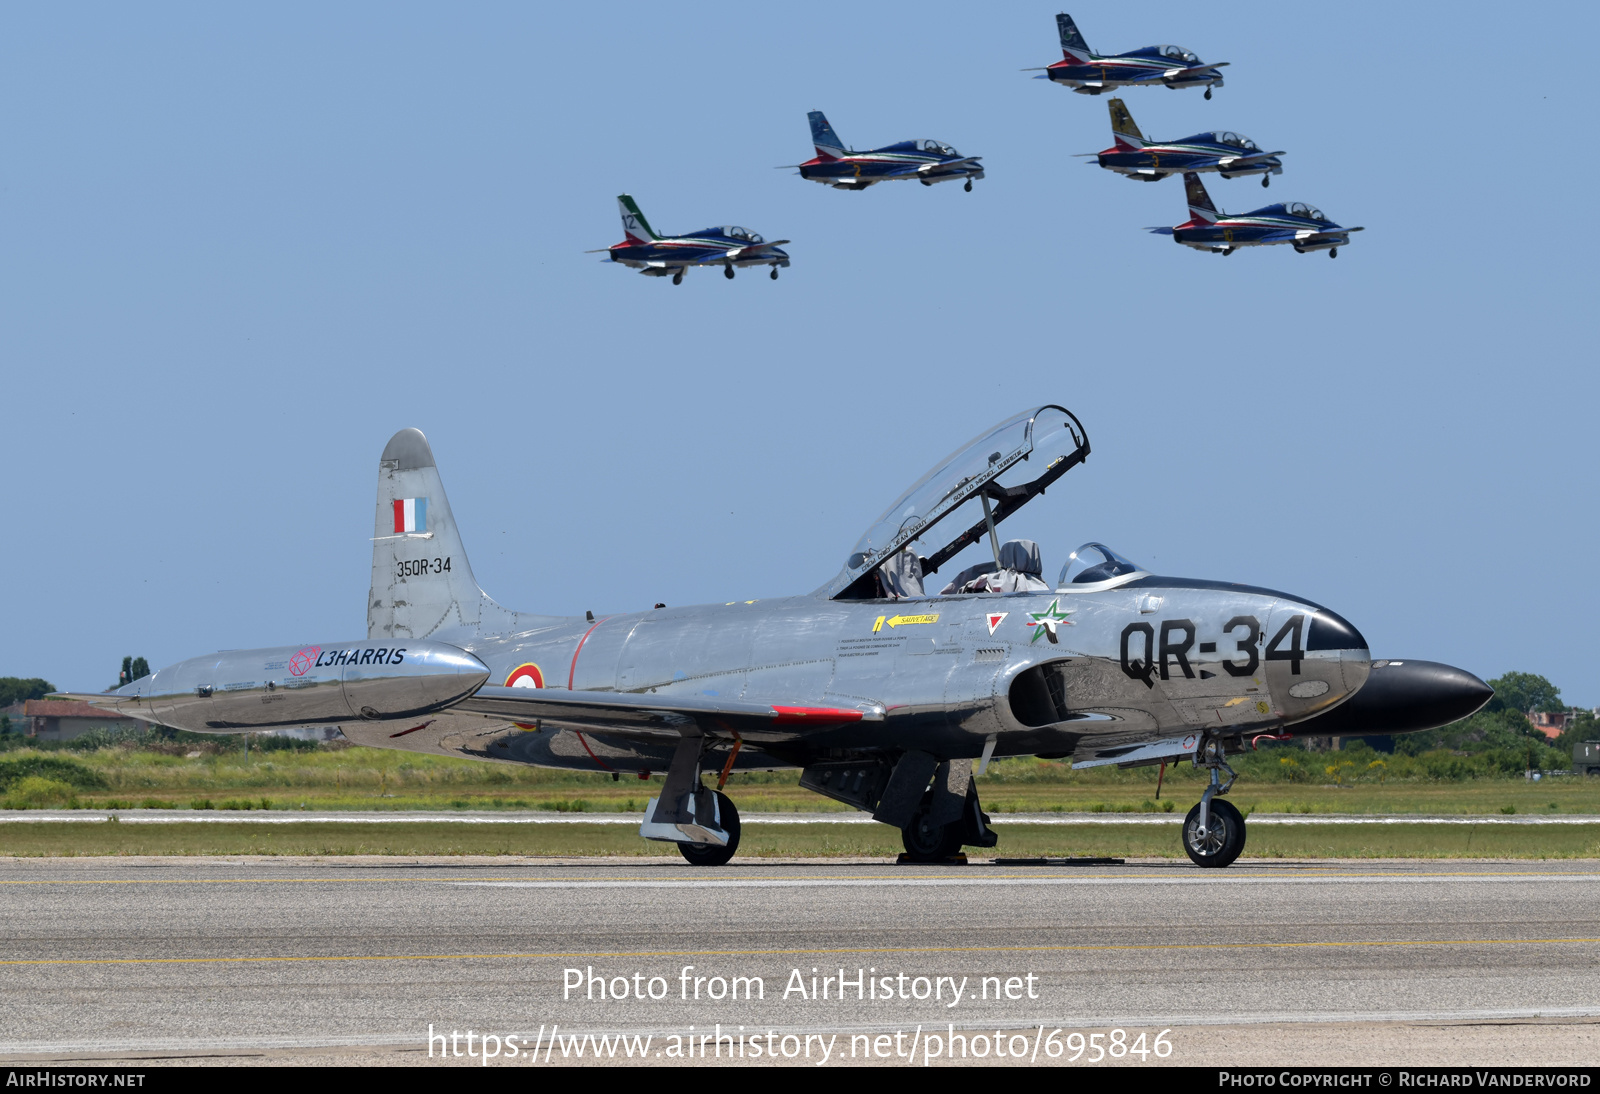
1131,155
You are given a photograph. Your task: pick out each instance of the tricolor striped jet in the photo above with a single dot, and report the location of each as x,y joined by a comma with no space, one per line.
1210,229
1229,154
655,255
926,161
1088,73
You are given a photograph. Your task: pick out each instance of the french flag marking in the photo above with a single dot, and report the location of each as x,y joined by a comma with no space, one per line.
410,514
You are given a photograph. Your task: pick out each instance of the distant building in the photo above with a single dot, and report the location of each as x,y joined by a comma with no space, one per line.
1551,725
62,719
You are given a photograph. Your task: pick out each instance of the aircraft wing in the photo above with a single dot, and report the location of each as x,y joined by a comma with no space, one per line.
620,712
930,168
1254,157
1192,70
747,252
1332,233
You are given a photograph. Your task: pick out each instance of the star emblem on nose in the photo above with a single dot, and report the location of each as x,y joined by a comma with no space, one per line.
1046,622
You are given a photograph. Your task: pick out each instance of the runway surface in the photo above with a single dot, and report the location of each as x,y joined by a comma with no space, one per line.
318,960
252,816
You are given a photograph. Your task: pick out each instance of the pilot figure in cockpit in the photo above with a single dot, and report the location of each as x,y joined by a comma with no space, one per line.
1019,572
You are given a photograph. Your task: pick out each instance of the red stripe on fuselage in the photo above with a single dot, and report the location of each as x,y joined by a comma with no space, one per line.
572,672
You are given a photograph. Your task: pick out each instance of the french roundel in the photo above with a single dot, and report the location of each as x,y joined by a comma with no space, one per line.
525,676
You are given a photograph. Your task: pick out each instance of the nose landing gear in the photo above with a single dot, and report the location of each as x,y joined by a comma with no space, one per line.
1213,832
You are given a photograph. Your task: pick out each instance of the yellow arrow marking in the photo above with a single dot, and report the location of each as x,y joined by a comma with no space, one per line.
902,620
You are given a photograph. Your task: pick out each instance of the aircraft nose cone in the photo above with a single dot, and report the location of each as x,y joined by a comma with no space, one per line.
1403,697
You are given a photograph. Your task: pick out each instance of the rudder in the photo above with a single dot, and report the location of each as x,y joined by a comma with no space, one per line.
1073,47
1123,131
1200,205
827,142
634,225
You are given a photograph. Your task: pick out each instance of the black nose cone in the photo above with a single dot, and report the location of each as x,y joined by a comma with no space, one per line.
1402,697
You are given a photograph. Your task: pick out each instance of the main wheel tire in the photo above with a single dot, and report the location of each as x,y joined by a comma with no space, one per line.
968,186
1223,842
727,271
1333,252
930,843
677,278
1266,181
1208,93
709,854
774,273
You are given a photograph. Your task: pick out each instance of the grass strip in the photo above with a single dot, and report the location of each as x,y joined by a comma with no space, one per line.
798,840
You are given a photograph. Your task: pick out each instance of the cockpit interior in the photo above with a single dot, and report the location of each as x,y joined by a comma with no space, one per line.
977,487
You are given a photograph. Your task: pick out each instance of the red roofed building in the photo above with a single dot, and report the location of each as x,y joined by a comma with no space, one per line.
1551,725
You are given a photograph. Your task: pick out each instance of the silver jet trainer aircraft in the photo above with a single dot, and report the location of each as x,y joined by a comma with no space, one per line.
882,686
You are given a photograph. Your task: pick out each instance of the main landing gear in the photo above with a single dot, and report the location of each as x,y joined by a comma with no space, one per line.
1333,252
774,274
1266,181
968,186
727,271
1208,93
677,278
701,821
1213,832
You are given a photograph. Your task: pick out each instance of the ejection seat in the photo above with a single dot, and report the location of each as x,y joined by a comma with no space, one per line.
902,575
1019,572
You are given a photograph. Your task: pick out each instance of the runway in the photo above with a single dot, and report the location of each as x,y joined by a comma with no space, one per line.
209,960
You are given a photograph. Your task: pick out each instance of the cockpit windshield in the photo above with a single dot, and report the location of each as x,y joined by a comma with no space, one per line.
1237,141
1301,209
733,231
939,148
1093,563
1178,53
1005,466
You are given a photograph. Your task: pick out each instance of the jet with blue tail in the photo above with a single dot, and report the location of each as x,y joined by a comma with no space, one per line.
1088,73
925,161
653,255
1228,154
1296,223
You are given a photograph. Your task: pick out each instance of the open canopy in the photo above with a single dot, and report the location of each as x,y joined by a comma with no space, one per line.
1008,465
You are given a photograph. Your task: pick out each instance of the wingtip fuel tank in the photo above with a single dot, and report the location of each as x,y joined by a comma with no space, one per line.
303,685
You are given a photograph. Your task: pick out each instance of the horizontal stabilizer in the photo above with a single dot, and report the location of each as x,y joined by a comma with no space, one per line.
1160,231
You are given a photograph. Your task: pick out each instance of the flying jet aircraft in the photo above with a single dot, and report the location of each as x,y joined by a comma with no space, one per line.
658,256
926,161
1229,154
1294,222
1088,73
884,694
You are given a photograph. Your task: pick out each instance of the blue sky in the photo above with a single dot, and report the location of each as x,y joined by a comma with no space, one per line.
241,247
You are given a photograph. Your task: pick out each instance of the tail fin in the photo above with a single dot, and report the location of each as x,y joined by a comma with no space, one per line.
1123,131
422,583
1073,47
829,146
634,225
1200,206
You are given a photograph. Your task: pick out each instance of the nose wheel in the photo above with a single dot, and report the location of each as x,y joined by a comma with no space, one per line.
1213,832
